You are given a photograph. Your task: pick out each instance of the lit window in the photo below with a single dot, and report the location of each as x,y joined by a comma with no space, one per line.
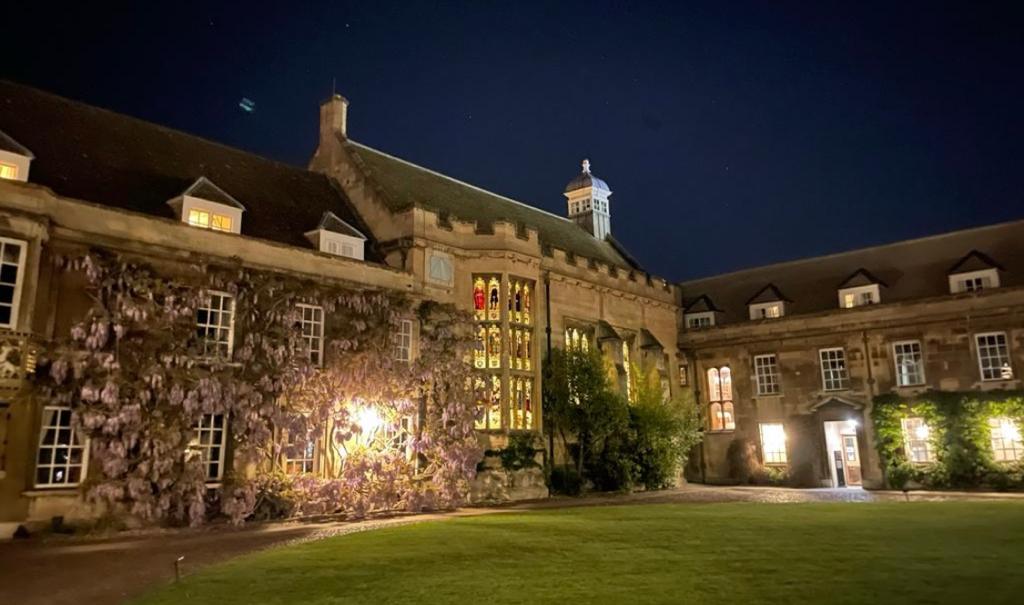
859,296
1006,440
8,171
62,456
721,411
909,363
773,443
402,339
833,369
311,321
215,325
772,310
208,220
627,364
766,369
300,455
993,356
12,259
220,223
917,439
199,218
577,340
209,441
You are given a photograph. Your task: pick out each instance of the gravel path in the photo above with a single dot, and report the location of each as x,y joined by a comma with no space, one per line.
62,570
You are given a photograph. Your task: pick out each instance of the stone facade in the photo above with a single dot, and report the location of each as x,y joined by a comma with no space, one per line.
923,317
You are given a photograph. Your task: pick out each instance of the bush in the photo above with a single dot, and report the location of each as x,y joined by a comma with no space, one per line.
663,433
519,453
899,475
566,481
744,465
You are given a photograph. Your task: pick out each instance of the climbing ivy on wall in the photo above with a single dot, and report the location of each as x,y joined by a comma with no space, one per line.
134,373
959,436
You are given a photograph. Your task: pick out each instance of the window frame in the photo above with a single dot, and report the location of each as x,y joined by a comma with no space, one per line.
399,338
760,311
76,442
909,439
699,318
19,279
308,457
989,280
779,457
724,418
1013,445
1008,359
311,338
197,447
772,377
858,292
204,341
844,380
920,370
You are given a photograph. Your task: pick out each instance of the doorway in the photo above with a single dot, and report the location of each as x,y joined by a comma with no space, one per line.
843,452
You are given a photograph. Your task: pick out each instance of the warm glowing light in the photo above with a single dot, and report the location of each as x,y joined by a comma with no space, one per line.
922,431
369,420
1008,430
852,424
773,443
8,171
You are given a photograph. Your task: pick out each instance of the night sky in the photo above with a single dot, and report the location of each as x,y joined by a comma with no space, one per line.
732,135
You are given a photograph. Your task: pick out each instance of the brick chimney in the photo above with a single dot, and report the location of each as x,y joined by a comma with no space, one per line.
333,117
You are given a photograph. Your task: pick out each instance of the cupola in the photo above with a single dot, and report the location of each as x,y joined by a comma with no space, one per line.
587,196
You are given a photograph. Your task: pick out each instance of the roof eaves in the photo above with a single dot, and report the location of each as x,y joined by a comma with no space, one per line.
975,254
205,182
14,146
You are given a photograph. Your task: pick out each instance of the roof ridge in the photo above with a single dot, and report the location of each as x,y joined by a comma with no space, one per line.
460,182
810,259
158,126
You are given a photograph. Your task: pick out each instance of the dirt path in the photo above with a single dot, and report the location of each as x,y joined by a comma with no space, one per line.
84,571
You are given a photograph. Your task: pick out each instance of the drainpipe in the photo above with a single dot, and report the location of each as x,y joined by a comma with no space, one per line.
547,334
691,364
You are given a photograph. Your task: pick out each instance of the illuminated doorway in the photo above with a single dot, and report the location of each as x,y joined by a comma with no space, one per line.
843,452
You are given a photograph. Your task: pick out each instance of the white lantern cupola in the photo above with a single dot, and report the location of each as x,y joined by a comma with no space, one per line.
588,202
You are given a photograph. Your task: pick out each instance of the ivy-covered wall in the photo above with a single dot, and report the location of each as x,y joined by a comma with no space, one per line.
959,436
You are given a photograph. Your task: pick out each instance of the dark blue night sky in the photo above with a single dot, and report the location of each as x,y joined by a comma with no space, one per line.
732,134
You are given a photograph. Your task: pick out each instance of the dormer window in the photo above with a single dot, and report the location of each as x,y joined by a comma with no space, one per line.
207,206
769,303
15,159
858,297
973,273
700,313
696,321
335,236
772,310
859,289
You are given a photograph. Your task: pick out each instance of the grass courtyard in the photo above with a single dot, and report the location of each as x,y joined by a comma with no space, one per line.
931,552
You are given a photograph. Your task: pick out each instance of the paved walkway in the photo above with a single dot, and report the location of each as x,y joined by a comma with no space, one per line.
62,570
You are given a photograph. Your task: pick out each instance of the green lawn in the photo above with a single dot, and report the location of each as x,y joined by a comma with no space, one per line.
952,552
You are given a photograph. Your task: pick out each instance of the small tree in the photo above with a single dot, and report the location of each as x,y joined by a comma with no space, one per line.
665,430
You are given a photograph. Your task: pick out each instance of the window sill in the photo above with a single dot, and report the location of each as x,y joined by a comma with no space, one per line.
56,490
721,432
768,395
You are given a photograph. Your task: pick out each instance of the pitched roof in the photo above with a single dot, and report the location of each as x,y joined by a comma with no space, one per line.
974,261
767,294
701,304
912,269
204,189
331,222
9,144
861,277
112,159
406,185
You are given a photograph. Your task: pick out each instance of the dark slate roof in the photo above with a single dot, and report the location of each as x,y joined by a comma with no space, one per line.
767,294
974,261
701,304
9,144
861,277
405,184
911,269
115,160
331,222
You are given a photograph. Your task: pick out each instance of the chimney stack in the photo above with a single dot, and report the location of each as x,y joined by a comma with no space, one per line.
333,117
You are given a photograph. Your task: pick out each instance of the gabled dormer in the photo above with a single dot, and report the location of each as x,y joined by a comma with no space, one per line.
15,159
974,272
768,303
207,206
859,289
701,313
335,236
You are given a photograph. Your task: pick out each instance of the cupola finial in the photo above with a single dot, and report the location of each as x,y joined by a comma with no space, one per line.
586,166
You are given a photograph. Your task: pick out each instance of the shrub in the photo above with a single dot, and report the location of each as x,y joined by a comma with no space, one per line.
744,465
566,481
519,453
663,433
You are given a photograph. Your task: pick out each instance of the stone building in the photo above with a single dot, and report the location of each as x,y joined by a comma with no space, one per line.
76,176
789,357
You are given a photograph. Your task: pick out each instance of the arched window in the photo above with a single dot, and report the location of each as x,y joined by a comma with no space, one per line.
720,411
